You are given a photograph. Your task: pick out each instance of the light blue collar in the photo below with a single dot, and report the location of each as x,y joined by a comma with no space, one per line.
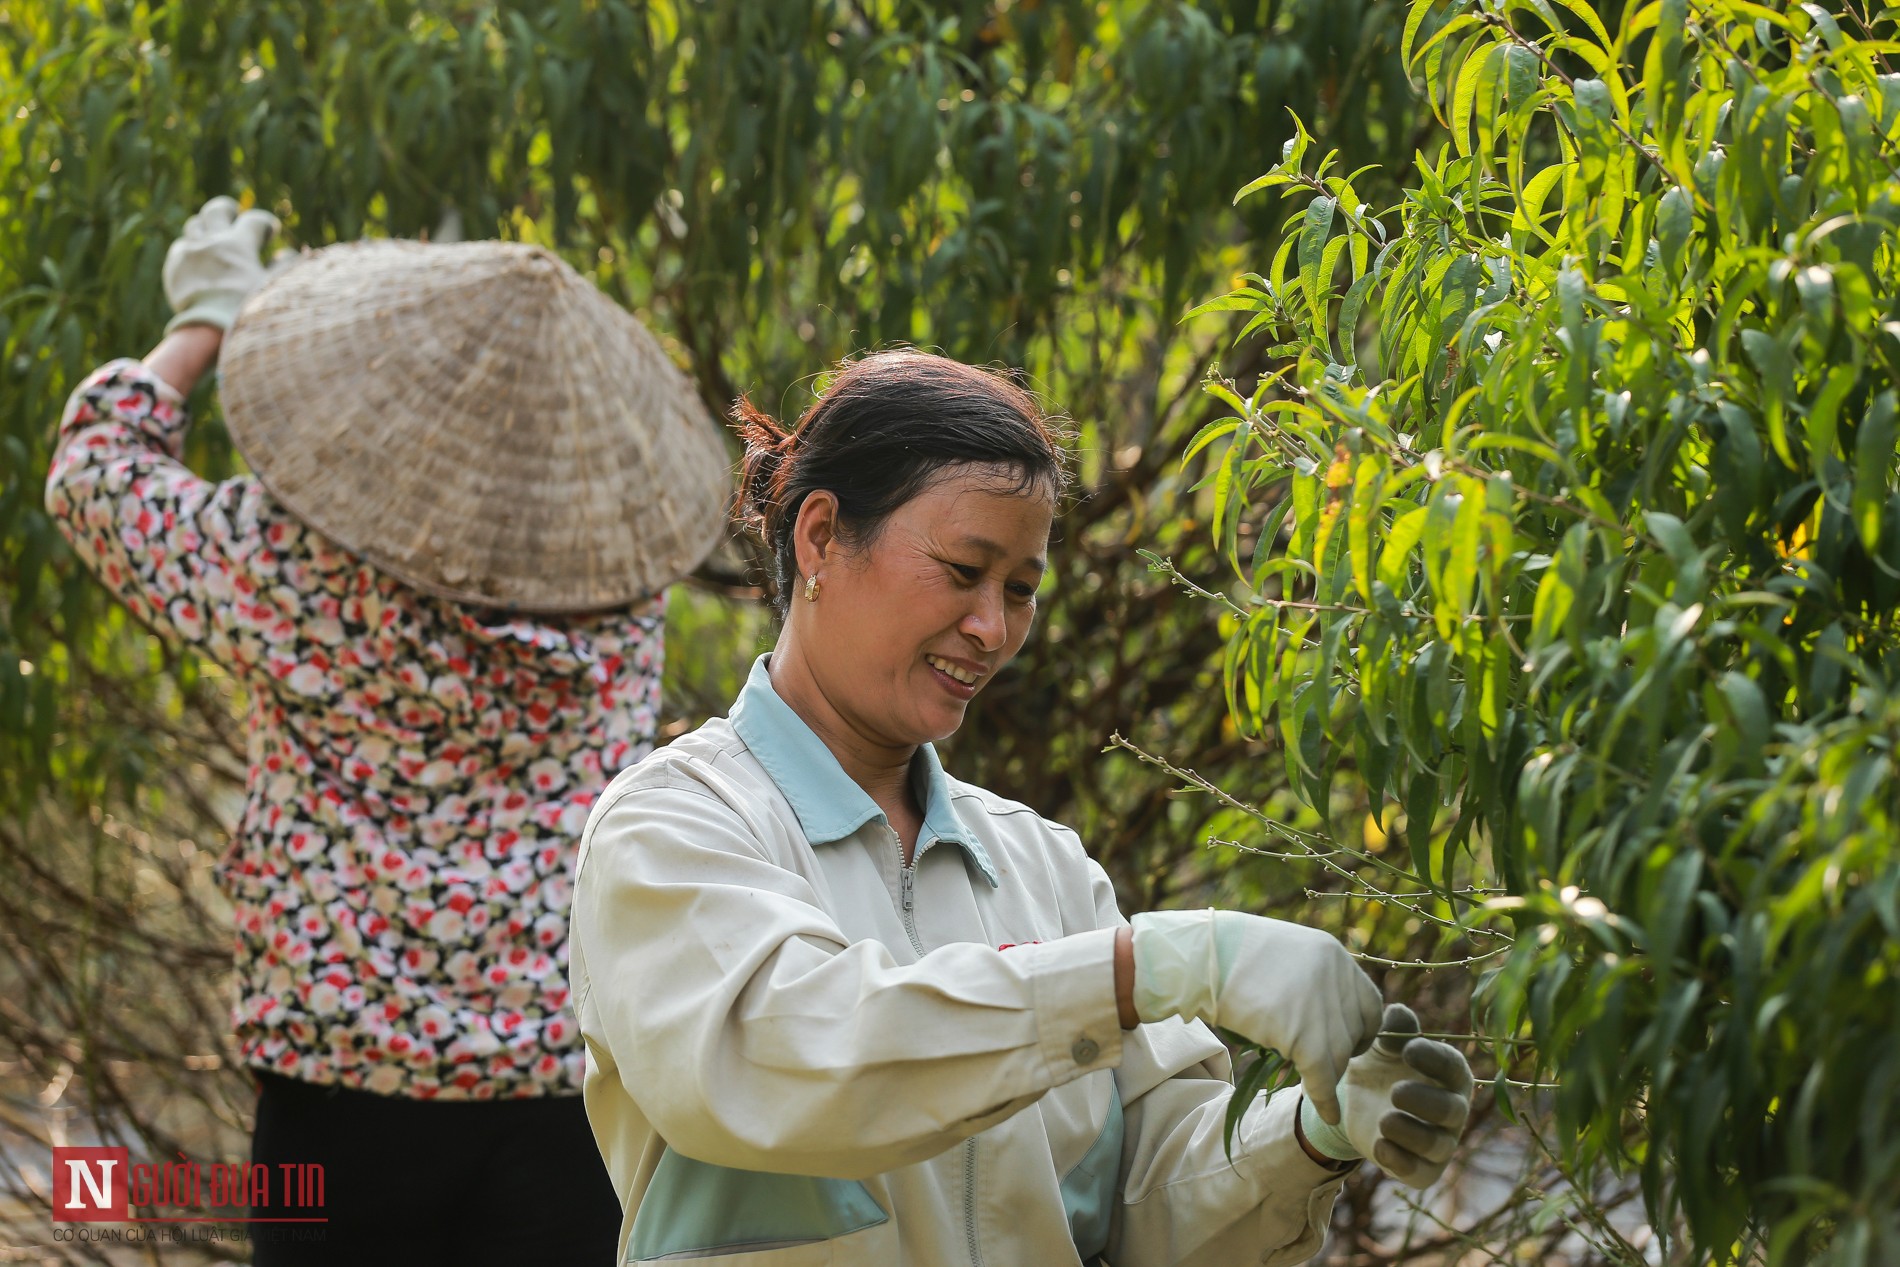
829,803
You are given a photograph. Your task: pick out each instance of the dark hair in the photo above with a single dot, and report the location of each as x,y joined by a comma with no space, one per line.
881,432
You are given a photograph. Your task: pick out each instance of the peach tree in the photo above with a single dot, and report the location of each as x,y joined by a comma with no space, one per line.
1578,576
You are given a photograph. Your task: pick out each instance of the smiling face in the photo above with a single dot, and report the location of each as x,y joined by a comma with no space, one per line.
909,626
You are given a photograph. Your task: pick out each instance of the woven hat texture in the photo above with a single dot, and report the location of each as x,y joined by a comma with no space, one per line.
479,420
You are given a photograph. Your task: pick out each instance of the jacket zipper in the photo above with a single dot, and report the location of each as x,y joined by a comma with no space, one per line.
907,889
969,1200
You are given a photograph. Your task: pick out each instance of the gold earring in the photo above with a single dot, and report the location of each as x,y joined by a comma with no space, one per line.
811,588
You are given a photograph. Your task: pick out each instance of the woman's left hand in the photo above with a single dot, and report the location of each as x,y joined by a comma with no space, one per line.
1404,1104
216,263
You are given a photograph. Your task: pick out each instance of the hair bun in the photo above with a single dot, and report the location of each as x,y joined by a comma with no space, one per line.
762,476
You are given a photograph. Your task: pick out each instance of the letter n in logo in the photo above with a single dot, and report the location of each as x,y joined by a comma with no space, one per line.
89,1185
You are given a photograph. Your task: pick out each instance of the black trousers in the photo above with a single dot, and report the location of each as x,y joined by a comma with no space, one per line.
418,1182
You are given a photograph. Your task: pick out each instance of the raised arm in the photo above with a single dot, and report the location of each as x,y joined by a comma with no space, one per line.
178,550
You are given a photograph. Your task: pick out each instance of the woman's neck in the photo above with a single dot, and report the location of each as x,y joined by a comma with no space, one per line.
881,769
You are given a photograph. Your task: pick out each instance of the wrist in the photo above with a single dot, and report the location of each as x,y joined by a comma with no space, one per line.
1324,1143
184,356
1125,977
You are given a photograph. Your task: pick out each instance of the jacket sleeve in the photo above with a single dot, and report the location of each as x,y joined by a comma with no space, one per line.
1183,1203
753,1035
184,554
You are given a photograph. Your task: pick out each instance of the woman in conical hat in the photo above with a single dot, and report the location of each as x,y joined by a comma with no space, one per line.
474,477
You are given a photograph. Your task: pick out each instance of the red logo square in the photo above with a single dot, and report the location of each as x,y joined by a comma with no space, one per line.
89,1185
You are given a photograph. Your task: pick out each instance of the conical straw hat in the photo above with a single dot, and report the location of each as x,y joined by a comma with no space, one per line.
478,420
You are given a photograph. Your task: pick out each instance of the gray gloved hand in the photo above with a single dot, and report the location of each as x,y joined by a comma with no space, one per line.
1404,1104
1285,986
214,265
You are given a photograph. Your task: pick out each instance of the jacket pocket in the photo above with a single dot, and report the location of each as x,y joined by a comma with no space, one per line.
1090,1191
696,1210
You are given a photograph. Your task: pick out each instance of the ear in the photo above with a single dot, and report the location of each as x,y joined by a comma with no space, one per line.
815,531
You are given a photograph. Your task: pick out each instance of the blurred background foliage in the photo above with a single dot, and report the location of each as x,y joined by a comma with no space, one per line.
1046,184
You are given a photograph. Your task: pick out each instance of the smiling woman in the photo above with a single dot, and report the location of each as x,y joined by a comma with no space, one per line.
917,496
842,1008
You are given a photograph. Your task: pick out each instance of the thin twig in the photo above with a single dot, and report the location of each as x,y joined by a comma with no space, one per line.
1305,840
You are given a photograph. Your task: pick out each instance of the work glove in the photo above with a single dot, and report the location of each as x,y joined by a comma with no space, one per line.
214,265
1403,1104
1284,986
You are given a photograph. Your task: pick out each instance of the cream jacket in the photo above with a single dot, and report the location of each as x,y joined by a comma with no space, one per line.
802,1052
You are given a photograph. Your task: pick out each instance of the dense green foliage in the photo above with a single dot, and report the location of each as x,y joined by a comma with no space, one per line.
1582,576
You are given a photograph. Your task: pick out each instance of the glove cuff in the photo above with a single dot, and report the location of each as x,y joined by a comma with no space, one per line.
1177,971
1327,1138
210,308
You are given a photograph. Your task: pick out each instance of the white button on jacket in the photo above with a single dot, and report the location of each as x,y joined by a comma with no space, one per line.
800,1051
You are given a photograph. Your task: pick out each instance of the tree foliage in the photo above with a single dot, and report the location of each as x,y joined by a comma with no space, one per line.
1582,571
770,186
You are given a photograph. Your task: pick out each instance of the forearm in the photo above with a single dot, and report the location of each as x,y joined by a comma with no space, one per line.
183,356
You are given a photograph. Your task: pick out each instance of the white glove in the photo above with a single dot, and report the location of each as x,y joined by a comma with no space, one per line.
1405,1104
1284,986
214,265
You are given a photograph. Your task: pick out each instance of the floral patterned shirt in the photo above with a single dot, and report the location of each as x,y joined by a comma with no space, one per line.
418,774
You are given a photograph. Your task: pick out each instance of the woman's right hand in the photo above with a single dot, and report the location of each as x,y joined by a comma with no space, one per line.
215,264
1285,986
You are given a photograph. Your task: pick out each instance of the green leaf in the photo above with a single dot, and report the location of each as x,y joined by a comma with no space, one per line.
1313,237
1824,415
1590,19
1421,805
1396,553
1531,205
1266,1074
1775,366
1366,488
1675,217
1748,709
1674,537
1414,19
1671,908
1556,591
1349,309
1243,300
1873,467
1229,501
1815,286
1467,539
1465,94
1524,74
1207,435
1736,458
